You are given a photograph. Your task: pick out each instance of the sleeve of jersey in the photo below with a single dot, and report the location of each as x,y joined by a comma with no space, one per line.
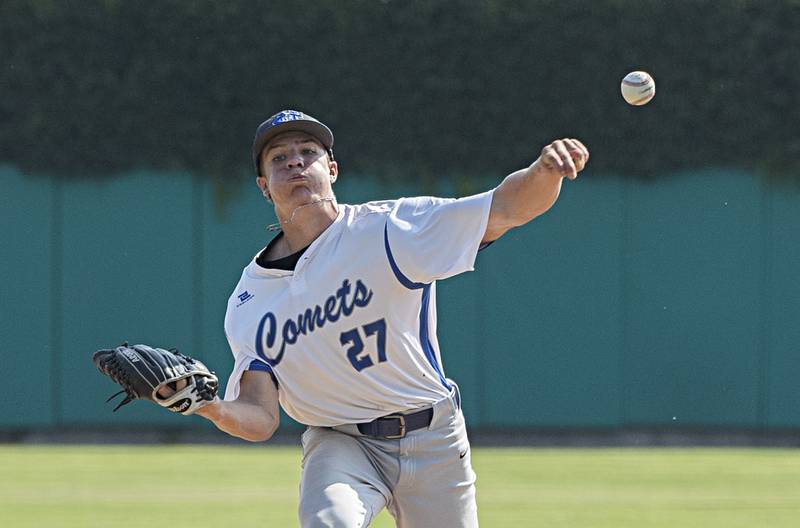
242,364
428,238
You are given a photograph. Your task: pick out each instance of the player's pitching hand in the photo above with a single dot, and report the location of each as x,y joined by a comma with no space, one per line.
562,158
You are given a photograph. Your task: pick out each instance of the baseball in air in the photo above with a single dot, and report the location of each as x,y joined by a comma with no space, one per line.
638,88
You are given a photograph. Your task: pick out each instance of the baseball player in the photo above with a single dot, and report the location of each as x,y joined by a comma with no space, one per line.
335,321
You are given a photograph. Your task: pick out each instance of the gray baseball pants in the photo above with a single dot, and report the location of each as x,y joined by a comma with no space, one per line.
425,479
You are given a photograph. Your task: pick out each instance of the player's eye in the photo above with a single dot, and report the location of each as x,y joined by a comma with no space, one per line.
278,157
309,151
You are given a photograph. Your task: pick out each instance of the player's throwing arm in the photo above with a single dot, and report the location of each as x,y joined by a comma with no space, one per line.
528,193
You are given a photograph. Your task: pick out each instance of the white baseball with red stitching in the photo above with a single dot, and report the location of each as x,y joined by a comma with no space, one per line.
638,88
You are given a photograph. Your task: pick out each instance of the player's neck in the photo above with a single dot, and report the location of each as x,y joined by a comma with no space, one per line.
308,224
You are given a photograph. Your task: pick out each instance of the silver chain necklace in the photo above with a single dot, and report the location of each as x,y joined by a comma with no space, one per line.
277,226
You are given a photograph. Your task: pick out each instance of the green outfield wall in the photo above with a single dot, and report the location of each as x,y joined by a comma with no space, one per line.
666,304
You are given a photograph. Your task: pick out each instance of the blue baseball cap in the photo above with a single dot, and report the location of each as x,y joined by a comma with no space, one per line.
290,121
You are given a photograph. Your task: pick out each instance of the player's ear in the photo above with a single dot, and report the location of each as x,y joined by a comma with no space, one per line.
334,170
263,185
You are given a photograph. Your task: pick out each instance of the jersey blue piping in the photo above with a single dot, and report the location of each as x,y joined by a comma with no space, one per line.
260,366
257,364
423,312
423,335
405,281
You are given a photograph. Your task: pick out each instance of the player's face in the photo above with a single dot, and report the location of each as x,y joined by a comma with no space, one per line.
296,170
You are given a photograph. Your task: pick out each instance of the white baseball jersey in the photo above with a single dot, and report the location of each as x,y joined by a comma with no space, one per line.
350,334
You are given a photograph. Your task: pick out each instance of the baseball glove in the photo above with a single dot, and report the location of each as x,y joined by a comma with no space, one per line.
143,372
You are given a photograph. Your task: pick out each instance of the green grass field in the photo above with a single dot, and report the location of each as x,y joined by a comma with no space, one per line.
187,486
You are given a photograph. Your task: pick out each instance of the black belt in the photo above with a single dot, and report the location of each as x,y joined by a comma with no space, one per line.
397,425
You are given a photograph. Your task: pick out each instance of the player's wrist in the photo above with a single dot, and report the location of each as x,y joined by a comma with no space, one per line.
212,410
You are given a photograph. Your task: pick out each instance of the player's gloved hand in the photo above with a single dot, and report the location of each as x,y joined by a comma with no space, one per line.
166,377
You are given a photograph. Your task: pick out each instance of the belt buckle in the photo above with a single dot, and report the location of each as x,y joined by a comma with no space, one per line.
402,433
